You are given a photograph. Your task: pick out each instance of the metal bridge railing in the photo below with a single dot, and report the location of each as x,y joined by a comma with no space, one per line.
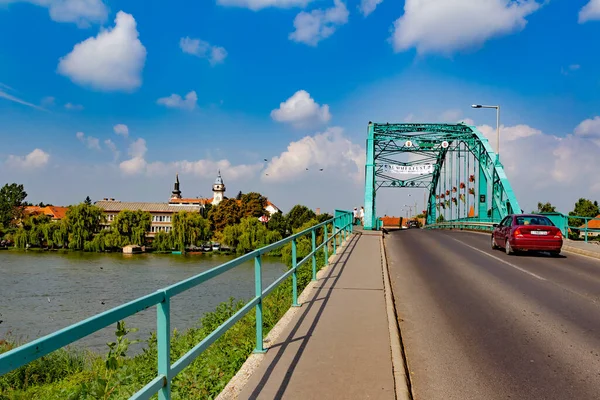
341,227
565,223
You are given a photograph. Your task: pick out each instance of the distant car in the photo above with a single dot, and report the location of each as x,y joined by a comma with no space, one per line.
527,232
413,224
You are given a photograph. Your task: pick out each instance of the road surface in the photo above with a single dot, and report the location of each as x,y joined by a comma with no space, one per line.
479,324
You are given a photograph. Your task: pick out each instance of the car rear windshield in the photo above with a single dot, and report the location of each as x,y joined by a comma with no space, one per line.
534,220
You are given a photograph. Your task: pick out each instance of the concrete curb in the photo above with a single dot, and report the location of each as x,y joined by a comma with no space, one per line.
234,387
576,250
401,379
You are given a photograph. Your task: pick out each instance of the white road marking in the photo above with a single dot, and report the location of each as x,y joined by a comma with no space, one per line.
501,260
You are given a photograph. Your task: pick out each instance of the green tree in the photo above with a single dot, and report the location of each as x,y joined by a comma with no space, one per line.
189,229
228,212
278,223
545,208
131,227
250,234
11,204
88,201
583,208
163,241
299,215
84,222
253,205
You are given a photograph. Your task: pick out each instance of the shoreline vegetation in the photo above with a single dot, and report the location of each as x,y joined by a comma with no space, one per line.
79,374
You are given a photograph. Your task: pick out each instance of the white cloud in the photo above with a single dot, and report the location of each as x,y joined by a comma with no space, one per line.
202,49
90,141
136,164
590,12
36,159
121,129
327,150
80,12
368,6
175,101
590,128
113,60
301,110
256,5
112,147
73,107
450,115
319,24
444,26
10,97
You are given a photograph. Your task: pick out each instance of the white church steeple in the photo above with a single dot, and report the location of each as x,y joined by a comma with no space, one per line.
218,190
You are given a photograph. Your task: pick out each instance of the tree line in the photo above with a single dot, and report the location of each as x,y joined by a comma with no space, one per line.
234,222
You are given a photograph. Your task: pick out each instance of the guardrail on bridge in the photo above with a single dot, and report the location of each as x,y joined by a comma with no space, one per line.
341,228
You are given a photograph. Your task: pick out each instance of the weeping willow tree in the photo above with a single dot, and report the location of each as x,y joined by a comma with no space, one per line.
83,221
189,229
248,235
130,227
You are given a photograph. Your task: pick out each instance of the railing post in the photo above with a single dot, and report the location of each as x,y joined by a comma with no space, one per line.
163,341
314,257
259,314
294,275
334,235
326,247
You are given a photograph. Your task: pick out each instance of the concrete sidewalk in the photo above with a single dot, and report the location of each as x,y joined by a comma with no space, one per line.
338,345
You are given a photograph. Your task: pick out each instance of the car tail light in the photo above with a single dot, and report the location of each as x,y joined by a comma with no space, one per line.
558,235
517,233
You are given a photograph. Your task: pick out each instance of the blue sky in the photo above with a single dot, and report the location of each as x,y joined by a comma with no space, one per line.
195,86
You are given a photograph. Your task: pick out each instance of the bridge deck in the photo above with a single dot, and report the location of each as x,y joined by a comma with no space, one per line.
338,345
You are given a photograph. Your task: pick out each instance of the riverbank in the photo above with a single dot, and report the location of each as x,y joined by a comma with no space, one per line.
87,375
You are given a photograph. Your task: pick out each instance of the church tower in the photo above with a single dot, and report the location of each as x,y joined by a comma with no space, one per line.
218,189
176,193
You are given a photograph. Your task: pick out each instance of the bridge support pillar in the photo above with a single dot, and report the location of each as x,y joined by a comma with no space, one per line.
370,215
431,209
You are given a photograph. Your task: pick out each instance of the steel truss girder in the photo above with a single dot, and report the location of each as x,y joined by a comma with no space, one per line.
386,140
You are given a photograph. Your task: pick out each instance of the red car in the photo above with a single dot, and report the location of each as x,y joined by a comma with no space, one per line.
527,232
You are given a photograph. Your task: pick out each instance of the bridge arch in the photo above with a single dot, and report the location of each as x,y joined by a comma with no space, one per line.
454,163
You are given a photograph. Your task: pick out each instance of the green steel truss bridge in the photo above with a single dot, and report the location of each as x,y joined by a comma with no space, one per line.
454,163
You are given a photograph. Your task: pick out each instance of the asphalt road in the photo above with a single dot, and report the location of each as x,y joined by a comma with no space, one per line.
478,324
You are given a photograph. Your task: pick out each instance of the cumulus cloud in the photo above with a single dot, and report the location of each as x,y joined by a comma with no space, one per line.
590,128
111,61
137,164
327,150
73,107
36,159
113,148
176,101
90,141
256,5
312,27
590,12
202,49
368,6
301,110
81,12
121,129
445,26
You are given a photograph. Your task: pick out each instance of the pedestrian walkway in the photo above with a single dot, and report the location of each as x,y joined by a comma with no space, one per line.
338,346
590,249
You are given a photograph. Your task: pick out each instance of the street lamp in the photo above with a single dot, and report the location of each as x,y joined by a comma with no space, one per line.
497,125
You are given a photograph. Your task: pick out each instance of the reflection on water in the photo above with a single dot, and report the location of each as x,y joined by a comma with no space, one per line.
44,292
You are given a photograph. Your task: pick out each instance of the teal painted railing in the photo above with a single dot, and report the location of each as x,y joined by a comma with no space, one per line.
341,229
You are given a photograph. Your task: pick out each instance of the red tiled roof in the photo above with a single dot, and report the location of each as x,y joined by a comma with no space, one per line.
58,212
191,201
52,211
592,223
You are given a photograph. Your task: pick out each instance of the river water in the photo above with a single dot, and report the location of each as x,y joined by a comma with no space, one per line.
44,292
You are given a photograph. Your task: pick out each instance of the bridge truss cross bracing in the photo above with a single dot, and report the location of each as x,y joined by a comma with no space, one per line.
453,163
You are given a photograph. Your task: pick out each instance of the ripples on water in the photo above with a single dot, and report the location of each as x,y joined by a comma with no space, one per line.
44,292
